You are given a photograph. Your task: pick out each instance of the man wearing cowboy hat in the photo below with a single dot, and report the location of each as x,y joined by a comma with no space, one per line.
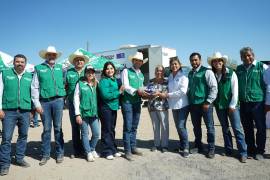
47,95
202,91
226,105
15,107
252,102
132,79
78,60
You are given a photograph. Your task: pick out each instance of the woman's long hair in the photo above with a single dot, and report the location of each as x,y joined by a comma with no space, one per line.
103,74
223,71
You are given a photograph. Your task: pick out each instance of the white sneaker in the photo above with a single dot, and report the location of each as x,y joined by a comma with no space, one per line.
90,157
95,154
117,154
110,157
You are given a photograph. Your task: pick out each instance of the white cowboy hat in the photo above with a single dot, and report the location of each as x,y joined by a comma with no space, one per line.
139,56
217,55
77,54
50,49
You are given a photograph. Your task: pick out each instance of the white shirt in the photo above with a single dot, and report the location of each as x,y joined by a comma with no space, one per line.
2,85
266,78
125,81
234,88
177,91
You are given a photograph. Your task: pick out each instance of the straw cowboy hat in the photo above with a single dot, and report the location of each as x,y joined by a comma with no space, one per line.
50,49
217,55
138,56
77,54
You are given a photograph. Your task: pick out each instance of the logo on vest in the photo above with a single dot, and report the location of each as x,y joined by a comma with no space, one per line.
85,88
43,70
72,75
132,76
57,69
10,77
28,79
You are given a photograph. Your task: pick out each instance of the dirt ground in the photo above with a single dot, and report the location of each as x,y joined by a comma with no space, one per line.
152,165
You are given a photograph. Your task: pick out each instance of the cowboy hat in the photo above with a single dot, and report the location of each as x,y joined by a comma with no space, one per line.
138,56
217,55
50,49
77,54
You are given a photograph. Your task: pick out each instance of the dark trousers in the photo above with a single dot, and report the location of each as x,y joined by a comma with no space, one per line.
196,112
108,122
250,113
75,129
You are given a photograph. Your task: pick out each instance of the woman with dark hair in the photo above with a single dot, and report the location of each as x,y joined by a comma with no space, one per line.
178,102
226,105
109,93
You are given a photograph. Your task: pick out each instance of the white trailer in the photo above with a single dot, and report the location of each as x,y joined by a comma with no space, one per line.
158,55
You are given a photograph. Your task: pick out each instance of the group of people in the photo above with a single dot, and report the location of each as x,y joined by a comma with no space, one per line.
92,102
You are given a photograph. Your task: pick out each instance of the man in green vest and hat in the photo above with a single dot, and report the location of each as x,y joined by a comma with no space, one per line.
252,102
78,60
202,91
15,107
48,90
132,79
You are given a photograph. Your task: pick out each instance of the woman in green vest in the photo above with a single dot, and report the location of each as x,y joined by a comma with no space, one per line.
109,93
85,105
226,105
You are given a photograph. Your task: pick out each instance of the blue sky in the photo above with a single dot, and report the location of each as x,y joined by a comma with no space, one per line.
205,26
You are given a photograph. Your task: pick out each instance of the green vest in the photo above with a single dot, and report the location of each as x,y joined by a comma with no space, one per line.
51,81
109,93
251,84
197,86
72,78
16,93
88,100
135,81
224,95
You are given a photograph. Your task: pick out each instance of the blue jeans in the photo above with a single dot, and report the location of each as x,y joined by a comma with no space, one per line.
131,115
180,119
75,130
196,112
94,125
251,112
108,122
234,117
35,120
52,113
11,119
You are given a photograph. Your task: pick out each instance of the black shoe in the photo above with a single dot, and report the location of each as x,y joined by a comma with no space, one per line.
59,159
211,154
259,157
243,159
22,163
164,149
228,154
129,156
136,152
43,161
185,153
154,149
4,171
